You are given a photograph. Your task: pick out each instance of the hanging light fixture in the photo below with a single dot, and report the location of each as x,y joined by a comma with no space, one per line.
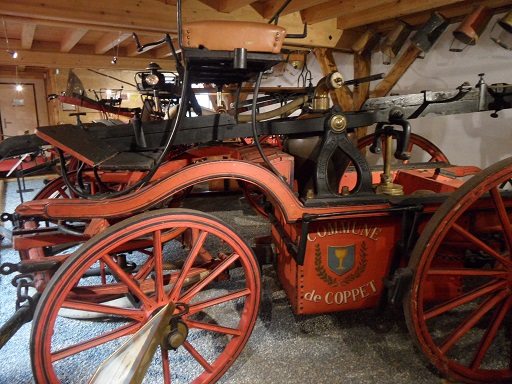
468,32
13,54
116,52
503,34
19,87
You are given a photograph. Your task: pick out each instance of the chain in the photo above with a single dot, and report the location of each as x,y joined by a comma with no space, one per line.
23,282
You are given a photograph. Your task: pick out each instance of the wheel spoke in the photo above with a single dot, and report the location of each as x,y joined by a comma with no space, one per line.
202,305
95,341
128,280
197,356
63,194
191,258
213,328
466,298
480,244
158,270
166,366
471,320
504,219
203,283
133,314
489,335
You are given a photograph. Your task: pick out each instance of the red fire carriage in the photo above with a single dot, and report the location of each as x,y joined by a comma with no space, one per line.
179,290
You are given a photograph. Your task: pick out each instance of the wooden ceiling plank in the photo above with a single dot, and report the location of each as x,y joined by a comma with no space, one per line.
110,41
71,38
269,8
335,8
148,15
27,35
396,9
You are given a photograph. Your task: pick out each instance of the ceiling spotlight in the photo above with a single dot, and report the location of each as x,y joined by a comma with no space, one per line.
114,60
13,54
19,88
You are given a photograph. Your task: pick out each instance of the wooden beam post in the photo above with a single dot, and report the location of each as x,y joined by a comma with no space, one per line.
403,63
341,96
53,106
362,67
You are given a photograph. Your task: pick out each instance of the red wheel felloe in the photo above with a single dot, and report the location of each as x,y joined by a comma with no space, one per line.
458,308
190,263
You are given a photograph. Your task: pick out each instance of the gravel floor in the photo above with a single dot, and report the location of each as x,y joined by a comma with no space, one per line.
349,347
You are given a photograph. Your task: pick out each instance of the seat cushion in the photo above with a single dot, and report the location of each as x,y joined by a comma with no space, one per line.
227,35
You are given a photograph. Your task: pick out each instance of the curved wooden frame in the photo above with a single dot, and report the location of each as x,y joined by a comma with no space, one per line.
273,186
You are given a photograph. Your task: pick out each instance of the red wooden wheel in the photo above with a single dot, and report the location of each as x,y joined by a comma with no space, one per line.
56,189
458,308
417,144
183,257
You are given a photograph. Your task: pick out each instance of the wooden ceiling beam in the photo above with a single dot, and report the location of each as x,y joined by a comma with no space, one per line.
453,12
71,38
269,8
396,9
27,35
335,8
141,15
228,6
80,60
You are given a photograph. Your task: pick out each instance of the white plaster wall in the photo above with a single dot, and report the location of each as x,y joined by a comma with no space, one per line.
468,139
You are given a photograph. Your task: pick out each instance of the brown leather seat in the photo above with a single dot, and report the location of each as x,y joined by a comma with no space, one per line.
228,35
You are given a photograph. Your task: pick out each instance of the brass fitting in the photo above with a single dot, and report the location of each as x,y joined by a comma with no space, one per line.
325,85
338,123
